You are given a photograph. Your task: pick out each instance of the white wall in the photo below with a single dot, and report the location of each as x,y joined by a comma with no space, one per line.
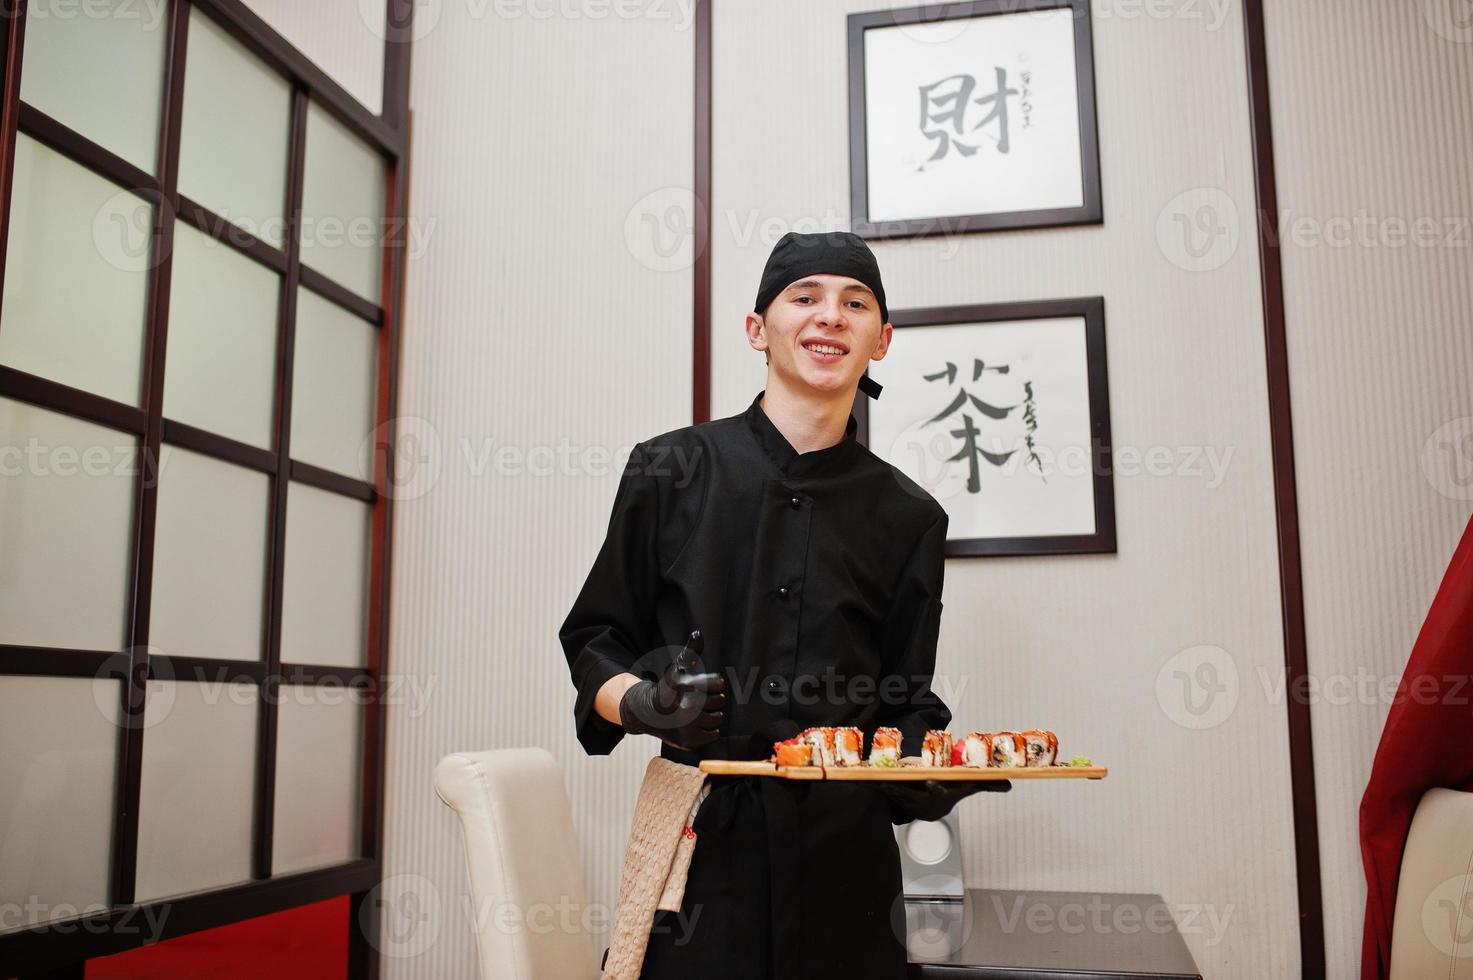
1076,644
540,313
1372,121
532,324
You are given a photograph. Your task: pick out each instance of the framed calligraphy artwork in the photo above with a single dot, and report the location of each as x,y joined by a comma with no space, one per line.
972,117
1002,413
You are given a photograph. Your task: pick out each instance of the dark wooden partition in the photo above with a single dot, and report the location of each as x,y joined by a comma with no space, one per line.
62,945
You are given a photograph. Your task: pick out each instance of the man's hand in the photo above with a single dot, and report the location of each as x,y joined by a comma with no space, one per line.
934,798
685,707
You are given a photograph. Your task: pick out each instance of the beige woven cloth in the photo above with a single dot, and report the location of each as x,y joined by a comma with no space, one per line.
655,860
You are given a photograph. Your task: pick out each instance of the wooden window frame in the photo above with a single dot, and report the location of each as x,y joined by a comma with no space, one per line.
61,946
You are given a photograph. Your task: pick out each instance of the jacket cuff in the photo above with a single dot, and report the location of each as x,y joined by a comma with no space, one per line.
597,735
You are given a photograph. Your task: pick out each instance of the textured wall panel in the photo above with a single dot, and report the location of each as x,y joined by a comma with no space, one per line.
1200,815
1372,126
536,337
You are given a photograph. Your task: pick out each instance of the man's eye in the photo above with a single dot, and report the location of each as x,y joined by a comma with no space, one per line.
859,303
800,299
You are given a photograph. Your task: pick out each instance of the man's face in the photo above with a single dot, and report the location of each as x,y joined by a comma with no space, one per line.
816,314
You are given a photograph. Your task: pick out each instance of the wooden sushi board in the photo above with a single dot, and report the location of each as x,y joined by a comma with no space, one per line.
902,773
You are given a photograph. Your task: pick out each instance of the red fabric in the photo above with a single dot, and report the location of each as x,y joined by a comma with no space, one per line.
1423,746
308,941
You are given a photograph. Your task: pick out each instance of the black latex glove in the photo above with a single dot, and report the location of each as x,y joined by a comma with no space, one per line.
932,799
684,708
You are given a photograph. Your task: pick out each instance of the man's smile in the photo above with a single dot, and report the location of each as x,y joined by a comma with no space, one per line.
825,351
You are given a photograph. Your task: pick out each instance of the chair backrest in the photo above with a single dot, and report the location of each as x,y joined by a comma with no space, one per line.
1432,933
530,912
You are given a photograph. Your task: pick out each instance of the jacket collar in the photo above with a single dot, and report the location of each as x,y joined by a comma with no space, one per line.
781,452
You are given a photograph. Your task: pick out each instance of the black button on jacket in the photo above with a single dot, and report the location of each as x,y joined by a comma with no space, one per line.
816,580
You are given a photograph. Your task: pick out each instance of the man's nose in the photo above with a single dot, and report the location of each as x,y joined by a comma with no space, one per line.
833,314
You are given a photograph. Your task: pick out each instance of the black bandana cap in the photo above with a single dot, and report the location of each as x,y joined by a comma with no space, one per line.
839,253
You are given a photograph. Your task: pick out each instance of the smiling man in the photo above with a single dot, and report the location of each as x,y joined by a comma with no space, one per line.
813,571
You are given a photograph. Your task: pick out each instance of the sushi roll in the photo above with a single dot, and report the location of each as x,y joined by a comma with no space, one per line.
972,751
936,748
1041,748
848,745
792,752
1006,750
822,741
885,747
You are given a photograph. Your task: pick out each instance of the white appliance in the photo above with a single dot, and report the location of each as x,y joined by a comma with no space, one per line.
931,859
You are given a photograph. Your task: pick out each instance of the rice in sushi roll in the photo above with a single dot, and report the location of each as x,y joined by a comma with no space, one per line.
936,748
1041,748
822,741
972,751
885,747
848,746
1007,750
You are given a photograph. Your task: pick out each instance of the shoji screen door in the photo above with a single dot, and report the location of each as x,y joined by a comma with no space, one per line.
197,337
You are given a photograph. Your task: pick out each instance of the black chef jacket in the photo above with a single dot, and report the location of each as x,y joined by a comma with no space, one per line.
815,579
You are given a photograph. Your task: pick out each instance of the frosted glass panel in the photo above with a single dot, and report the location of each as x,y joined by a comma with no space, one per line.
76,276
333,380
221,356
236,132
98,67
319,753
57,780
209,571
198,791
325,587
342,205
66,527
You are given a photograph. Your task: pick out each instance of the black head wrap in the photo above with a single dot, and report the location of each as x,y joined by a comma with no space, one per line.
840,253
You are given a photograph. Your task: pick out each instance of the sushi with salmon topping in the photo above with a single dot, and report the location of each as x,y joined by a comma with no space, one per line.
1041,748
936,748
885,747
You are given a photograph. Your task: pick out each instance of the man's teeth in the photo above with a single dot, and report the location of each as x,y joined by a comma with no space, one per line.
823,348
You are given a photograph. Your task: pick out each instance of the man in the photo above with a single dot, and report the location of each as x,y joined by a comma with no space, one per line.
812,570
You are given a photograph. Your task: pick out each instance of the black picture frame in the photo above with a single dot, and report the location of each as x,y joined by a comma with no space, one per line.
1091,211
1092,310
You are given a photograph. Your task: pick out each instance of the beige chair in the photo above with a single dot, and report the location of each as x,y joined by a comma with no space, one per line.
530,910
1432,932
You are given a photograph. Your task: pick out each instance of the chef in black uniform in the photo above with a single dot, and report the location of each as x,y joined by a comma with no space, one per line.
812,571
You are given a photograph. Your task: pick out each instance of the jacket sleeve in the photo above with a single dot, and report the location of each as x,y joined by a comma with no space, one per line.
607,629
907,701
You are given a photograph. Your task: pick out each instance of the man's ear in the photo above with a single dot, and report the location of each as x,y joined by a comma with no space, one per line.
756,331
887,333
